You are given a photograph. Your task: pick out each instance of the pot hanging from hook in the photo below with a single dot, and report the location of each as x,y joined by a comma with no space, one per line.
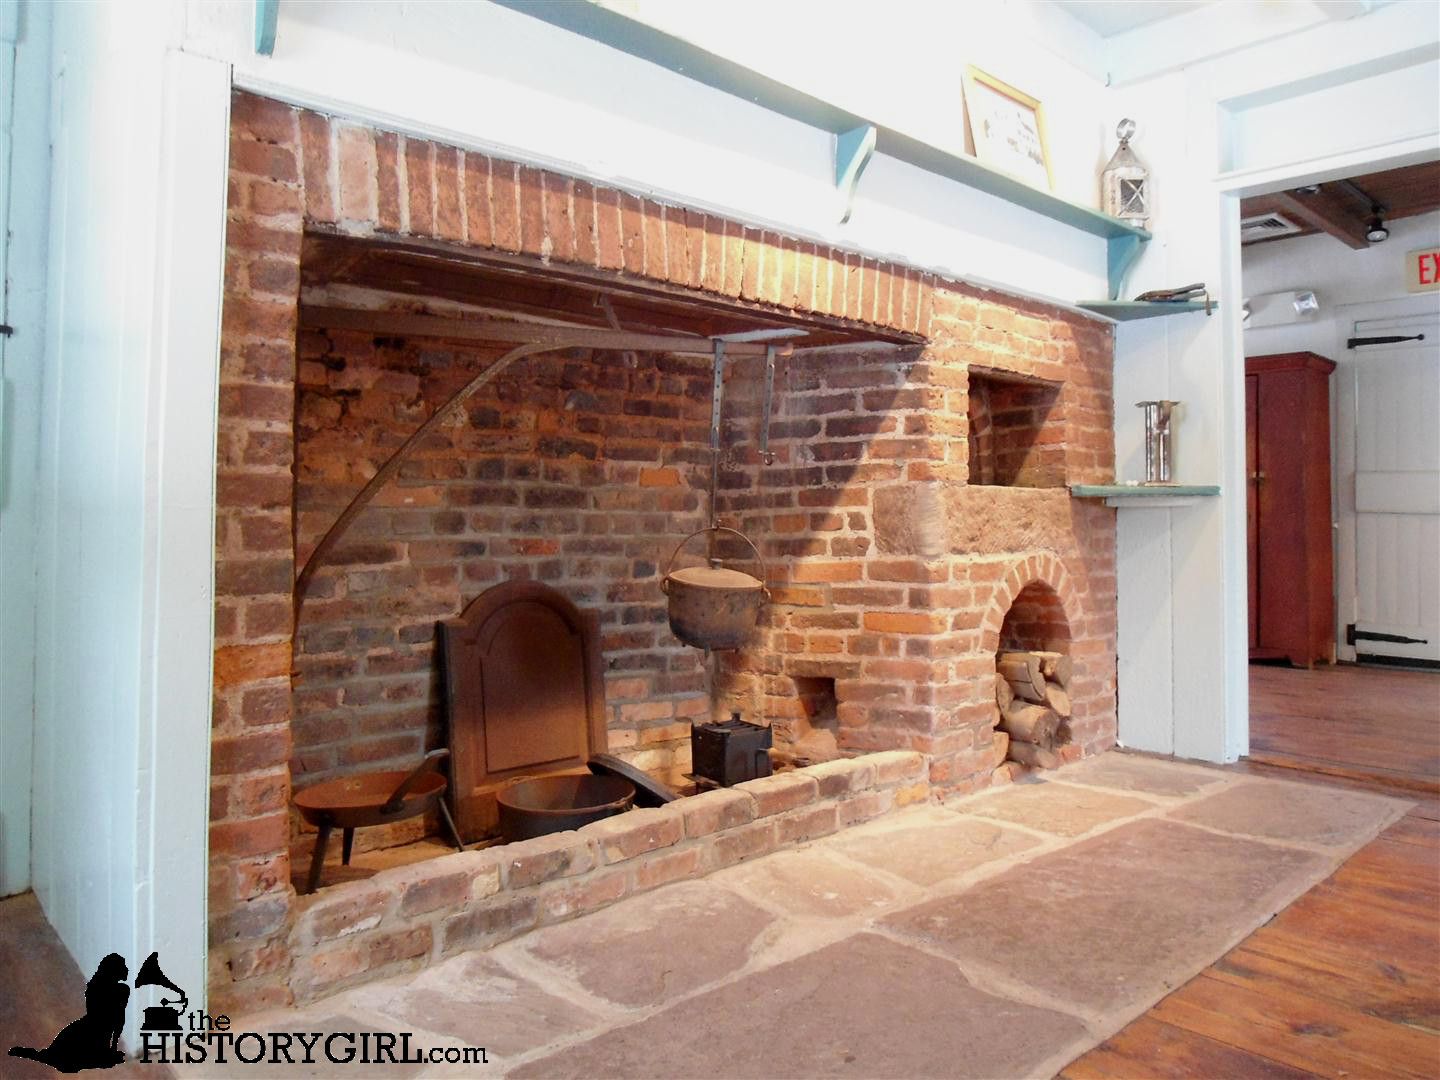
713,607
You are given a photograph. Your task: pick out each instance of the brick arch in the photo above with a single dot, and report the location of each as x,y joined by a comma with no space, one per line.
1043,568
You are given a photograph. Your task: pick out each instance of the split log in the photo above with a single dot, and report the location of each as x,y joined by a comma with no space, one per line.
1058,700
1002,748
1023,672
1025,691
1027,754
1030,723
1004,692
1057,667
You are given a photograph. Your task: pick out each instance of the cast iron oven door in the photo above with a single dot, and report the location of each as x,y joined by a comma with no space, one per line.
524,694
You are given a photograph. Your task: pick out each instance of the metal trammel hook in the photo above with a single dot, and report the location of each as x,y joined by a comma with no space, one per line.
765,455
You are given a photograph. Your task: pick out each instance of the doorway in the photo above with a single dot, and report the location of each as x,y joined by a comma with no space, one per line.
1318,301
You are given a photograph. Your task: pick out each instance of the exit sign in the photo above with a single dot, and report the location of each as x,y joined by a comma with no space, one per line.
1422,270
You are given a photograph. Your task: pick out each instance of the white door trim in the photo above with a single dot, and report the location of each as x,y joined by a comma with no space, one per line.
178,607
1229,190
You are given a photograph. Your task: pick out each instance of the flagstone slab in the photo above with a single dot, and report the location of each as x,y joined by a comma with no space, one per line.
476,1001
810,882
656,946
1056,808
1304,812
1127,772
866,1006
1118,919
930,846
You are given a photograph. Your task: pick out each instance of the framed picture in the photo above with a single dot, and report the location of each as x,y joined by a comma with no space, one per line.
1008,128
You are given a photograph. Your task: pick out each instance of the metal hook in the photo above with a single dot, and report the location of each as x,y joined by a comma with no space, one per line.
765,454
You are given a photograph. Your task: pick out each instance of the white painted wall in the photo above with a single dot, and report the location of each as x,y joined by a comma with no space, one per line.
1183,664
126,464
24,197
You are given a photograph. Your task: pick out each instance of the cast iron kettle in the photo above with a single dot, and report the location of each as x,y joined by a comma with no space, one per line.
712,607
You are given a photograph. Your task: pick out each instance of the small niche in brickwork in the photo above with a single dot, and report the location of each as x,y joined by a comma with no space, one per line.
815,735
1033,672
1017,431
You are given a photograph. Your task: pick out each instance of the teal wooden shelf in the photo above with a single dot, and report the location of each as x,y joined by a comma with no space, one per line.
856,137
1130,310
1150,496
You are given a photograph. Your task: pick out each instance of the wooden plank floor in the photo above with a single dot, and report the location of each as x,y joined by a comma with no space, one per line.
1346,981
1366,723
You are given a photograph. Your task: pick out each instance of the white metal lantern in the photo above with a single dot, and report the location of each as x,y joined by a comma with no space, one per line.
1125,183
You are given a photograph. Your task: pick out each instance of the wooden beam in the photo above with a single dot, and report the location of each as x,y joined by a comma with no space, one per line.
613,282
401,324
1330,212
512,295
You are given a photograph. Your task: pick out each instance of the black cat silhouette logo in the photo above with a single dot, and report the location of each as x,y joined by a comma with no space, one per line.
93,1041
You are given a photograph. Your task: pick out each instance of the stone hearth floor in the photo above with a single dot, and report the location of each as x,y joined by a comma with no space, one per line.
1000,935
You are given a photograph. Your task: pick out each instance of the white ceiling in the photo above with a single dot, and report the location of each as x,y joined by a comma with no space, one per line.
1110,17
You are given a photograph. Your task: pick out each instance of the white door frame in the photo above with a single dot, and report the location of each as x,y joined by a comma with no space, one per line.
179,606
1230,189
20,365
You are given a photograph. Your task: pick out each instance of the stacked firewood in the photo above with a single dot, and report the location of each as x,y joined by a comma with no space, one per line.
1031,691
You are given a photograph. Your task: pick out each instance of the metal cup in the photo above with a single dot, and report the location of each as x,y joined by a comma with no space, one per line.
1157,440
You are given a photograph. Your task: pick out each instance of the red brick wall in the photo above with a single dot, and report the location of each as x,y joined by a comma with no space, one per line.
579,470
892,574
892,566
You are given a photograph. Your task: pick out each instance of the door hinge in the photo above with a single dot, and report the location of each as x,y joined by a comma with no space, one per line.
6,330
1355,342
1352,636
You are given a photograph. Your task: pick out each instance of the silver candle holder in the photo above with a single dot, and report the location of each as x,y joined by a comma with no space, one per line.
1158,450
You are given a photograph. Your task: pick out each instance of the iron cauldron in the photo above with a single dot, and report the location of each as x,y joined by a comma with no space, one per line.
712,607
549,804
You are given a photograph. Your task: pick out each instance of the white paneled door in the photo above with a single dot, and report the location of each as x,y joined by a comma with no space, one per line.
1396,494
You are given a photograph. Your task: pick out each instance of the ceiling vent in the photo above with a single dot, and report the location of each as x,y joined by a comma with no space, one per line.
1266,227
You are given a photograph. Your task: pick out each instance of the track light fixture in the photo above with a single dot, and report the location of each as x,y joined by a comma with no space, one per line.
1375,231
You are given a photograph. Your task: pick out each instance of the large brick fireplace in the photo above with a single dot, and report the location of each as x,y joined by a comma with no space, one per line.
913,510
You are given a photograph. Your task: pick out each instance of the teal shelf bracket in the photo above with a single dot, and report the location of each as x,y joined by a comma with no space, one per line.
267,13
1120,255
853,150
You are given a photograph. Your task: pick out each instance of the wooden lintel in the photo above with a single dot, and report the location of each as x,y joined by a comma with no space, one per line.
1329,212
403,324
614,282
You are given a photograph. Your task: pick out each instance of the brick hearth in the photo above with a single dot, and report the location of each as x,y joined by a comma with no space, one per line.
893,568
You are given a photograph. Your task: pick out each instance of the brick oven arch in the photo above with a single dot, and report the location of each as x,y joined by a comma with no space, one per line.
1043,568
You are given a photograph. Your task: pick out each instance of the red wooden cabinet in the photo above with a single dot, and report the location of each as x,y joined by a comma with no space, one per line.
1287,460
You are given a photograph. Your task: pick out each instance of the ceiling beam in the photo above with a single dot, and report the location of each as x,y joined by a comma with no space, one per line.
1330,212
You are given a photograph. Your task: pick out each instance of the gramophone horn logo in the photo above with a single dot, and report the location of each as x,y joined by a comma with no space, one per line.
166,1015
93,1041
